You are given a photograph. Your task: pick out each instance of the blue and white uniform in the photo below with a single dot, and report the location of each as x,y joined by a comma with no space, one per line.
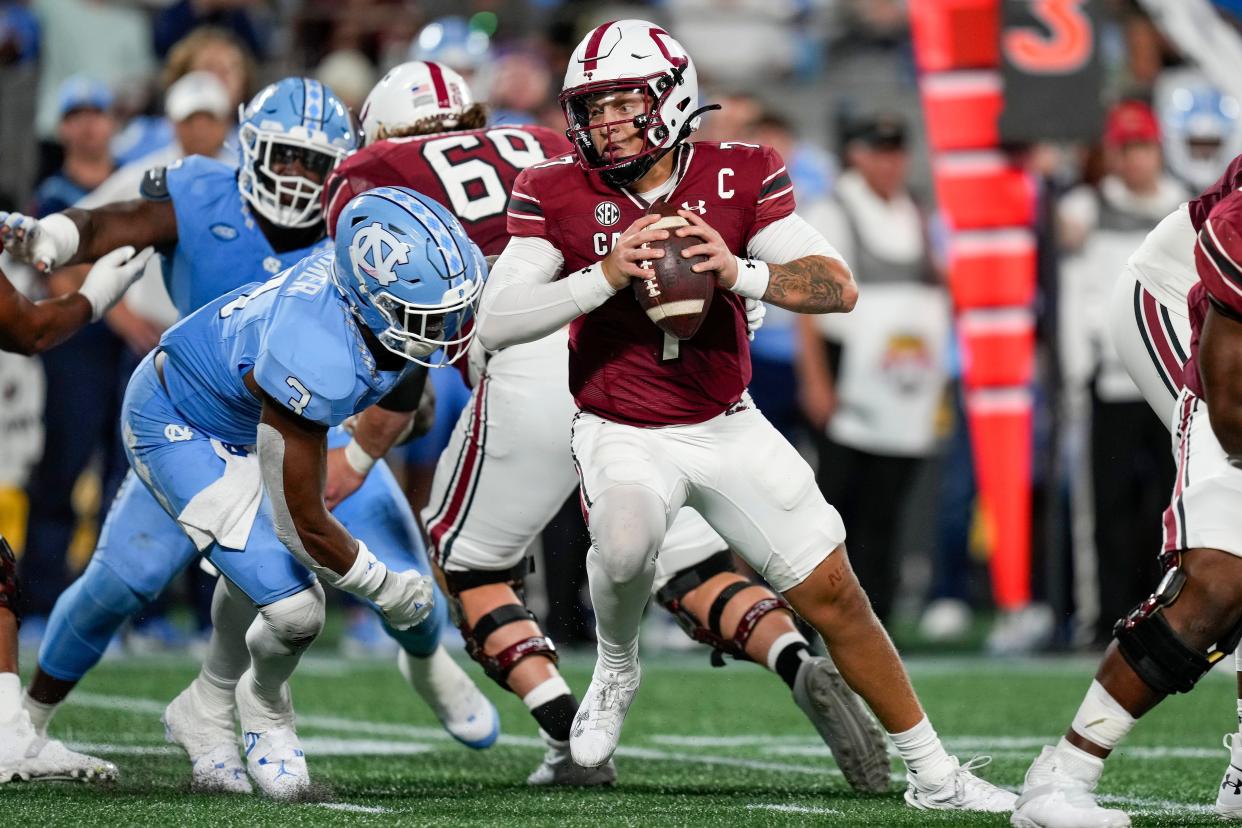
141,549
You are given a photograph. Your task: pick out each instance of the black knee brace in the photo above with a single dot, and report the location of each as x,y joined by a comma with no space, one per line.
10,589
1155,651
500,665
671,594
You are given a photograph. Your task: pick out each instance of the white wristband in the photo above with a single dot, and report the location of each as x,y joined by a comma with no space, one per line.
365,578
589,287
752,278
63,235
357,457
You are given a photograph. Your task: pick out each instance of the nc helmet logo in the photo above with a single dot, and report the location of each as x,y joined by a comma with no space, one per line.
375,251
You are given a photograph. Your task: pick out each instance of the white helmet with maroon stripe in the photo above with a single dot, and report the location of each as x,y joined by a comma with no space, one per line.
629,56
413,92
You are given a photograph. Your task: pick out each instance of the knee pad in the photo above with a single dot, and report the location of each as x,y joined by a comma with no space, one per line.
499,666
627,526
1155,651
83,621
673,593
10,591
297,619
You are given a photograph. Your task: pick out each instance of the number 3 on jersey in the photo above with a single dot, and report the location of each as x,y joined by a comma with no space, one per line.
472,185
299,402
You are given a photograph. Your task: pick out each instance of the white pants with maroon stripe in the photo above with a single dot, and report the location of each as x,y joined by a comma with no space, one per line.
1205,510
507,469
1153,341
736,470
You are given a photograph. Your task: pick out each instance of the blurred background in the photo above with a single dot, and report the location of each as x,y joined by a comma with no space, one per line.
986,197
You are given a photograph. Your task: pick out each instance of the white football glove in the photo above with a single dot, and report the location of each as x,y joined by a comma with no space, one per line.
111,276
45,243
406,598
755,311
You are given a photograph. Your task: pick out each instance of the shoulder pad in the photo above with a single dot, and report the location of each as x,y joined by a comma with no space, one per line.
154,185
308,364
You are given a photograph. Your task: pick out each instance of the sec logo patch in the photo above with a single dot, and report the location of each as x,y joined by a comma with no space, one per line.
607,213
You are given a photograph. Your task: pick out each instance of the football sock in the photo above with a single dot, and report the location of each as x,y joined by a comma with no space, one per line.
553,706
10,696
786,656
1240,715
923,754
1077,763
618,612
1101,719
40,713
227,656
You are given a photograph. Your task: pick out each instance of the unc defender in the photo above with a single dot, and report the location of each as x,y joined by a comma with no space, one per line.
423,131
274,365
219,227
29,328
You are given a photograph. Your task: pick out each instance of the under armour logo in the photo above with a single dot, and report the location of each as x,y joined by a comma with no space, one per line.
1231,782
748,263
177,433
700,207
375,251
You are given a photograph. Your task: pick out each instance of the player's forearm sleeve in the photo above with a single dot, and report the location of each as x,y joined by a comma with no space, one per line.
788,239
522,302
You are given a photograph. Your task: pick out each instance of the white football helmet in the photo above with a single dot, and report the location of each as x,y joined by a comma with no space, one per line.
631,56
412,92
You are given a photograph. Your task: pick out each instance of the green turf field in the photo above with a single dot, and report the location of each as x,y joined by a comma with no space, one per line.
701,746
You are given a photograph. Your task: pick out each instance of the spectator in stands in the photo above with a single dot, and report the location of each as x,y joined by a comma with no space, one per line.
110,42
871,381
1122,489
350,74
184,16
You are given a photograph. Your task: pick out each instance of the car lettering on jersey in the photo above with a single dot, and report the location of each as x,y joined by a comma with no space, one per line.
607,213
720,183
604,245
375,251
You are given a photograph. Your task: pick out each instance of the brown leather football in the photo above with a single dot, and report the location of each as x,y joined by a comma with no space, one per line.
676,299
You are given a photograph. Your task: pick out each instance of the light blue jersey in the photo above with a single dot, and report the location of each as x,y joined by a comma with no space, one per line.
219,242
298,334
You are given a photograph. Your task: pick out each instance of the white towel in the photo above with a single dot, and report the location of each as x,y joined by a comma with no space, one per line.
224,512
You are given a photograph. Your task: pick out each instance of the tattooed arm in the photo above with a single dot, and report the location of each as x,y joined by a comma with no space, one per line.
812,284
811,277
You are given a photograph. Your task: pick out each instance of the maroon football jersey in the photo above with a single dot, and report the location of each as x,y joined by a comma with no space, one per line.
621,366
1218,261
1209,198
470,173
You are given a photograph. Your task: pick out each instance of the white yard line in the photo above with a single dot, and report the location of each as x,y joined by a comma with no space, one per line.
353,809
1008,747
792,809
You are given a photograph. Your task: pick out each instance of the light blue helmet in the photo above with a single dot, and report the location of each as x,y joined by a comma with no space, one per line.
410,272
293,120
452,41
1200,125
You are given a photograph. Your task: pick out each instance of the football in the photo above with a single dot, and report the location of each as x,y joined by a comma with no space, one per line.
676,298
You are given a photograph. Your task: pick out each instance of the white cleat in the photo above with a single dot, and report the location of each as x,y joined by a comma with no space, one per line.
597,727
26,756
1051,798
274,755
558,768
453,696
209,737
1229,794
961,790
852,734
